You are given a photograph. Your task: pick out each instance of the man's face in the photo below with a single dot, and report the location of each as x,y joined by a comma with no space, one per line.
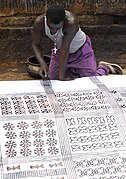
54,27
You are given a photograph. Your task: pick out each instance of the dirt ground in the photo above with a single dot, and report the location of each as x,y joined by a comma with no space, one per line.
18,70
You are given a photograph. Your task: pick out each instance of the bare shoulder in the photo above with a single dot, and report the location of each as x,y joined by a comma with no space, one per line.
39,18
39,23
71,18
71,22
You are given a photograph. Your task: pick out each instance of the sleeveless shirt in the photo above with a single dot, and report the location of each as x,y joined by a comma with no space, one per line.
78,40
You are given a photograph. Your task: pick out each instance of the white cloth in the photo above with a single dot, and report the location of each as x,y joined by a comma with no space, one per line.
63,129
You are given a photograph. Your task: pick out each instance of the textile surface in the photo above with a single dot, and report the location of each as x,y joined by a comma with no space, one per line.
63,129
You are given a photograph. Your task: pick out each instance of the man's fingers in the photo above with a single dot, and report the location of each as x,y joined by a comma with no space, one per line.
46,74
41,74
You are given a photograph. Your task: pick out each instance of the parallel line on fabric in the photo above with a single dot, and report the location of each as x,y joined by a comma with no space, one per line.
38,174
62,132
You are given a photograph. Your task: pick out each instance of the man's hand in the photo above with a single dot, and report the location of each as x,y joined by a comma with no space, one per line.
44,70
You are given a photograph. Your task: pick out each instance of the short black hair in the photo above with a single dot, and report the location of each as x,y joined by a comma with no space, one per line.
55,13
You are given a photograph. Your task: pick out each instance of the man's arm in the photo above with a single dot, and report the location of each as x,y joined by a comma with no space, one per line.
37,34
70,31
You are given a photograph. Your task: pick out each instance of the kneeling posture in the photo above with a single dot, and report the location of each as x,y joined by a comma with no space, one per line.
72,55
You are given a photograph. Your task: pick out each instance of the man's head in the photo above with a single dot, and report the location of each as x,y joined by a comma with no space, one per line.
55,13
55,17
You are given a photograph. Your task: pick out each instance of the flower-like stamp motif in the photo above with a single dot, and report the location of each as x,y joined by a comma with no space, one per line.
25,143
25,134
39,151
37,134
50,133
38,143
10,144
10,153
25,152
53,150
51,142
8,126
36,124
11,135
49,123
22,125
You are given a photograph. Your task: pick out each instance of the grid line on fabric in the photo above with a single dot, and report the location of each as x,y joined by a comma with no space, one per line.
61,128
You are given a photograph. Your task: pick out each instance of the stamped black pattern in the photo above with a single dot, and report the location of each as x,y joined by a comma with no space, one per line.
29,138
120,97
102,167
25,104
112,100
93,133
83,100
63,135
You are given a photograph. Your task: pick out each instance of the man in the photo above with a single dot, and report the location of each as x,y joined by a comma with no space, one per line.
72,56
